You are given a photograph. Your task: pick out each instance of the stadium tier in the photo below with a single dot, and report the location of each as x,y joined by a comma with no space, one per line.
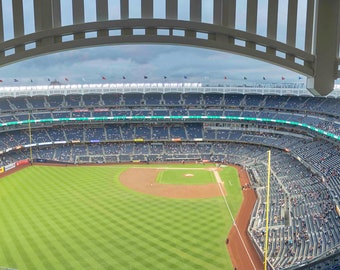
301,131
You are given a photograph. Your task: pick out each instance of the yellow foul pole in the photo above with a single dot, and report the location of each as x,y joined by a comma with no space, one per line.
30,136
267,213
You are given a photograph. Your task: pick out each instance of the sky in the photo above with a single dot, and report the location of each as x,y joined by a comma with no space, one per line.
177,63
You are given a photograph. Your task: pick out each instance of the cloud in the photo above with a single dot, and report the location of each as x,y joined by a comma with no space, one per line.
135,61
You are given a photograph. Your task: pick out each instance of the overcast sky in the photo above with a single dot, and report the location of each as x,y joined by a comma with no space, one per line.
154,61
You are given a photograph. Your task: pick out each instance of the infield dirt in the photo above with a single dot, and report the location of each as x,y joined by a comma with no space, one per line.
144,180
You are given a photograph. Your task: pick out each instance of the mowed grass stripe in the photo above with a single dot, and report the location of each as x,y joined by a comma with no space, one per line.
170,236
147,236
91,229
72,233
125,225
121,228
99,236
19,230
52,232
7,257
121,255
42,231
81,226
103,207
40,234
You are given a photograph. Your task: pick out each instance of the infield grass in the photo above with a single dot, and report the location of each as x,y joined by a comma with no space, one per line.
84,218
185,176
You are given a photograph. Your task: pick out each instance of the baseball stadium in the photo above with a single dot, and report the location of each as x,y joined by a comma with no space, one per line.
172,175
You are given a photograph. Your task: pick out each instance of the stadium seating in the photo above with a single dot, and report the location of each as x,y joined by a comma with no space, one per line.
305,178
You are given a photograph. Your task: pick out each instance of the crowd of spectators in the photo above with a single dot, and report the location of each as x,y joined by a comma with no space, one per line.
305,177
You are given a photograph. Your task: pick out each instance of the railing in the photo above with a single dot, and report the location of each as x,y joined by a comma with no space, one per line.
173,118
297,89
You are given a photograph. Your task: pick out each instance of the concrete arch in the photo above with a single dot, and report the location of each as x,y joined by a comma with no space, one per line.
216,38
318,61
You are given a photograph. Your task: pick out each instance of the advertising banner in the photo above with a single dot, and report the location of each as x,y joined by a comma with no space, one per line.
9,167
22,162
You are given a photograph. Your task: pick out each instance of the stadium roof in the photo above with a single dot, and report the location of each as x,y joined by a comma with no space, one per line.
297,89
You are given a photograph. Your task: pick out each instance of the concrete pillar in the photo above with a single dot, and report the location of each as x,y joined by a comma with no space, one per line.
273,7
2,53
147,13
251,23
325,47
291,26
44,19
124,15
18,23
102,15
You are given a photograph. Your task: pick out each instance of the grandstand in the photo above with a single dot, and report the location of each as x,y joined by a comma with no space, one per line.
228,124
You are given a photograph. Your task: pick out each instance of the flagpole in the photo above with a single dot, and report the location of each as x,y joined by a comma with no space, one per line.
267,212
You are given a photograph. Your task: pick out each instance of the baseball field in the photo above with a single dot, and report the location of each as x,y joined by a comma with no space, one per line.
117,217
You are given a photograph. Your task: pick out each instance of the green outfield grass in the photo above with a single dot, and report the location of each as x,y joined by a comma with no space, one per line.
189,176
83,218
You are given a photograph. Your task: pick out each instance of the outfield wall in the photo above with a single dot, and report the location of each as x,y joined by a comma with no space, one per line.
13,167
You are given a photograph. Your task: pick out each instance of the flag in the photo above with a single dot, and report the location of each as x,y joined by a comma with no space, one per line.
124,77
15,80
165,77
1,81
145,77
264,78
48,79
225,77
185,77
31,80
103,78
245,78
66,79
283,78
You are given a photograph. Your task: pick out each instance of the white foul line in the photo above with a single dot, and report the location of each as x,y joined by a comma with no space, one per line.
219,182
